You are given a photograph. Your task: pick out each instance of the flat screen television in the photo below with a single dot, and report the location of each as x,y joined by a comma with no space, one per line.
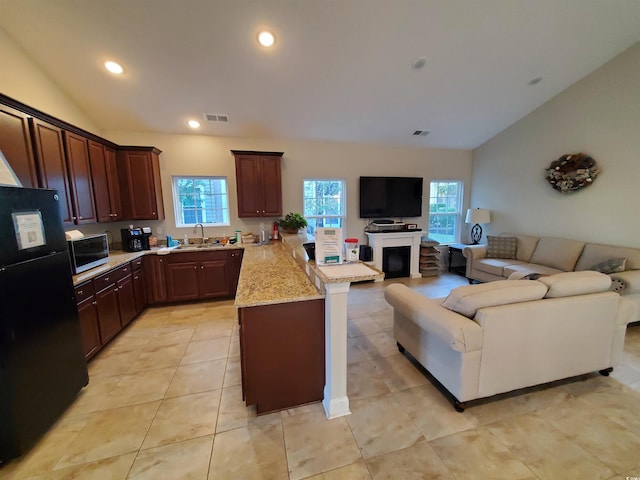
387,197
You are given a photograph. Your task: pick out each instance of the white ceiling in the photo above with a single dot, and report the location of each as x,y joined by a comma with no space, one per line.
341,70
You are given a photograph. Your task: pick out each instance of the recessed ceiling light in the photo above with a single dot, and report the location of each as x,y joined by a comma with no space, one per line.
193,123
114,67
535,81
266,39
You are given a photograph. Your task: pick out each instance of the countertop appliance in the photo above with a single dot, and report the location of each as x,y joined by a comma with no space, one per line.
88,252
146,234
131,239
42,365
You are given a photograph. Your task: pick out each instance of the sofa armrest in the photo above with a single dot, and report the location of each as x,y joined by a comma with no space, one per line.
627,311
457,331
474,252
631,279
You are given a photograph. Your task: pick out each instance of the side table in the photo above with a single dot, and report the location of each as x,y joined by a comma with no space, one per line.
456,248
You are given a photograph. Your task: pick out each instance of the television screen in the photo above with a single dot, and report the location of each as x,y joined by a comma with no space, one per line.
384,197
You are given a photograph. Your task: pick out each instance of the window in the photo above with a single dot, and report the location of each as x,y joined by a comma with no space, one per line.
445,210
200,200
324,203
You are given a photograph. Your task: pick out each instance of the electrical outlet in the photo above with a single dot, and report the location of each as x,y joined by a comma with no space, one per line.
160,230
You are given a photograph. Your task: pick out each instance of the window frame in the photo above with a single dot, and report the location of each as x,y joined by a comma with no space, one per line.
177,207
343,203
458,214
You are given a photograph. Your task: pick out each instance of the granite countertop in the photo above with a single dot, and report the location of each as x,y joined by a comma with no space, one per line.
270,275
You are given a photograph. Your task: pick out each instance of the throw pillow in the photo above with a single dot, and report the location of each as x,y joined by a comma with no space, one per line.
534,276
612,265
501,247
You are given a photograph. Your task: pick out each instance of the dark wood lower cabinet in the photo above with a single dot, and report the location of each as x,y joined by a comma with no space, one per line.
88,318
282,354
139,290
126,300
108,313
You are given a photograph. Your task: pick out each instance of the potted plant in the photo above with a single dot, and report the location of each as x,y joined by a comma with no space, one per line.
292,222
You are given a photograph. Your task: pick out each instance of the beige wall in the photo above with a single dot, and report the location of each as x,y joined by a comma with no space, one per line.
23,80
202,155
600,115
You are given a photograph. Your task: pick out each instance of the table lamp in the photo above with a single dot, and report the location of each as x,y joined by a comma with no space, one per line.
477,216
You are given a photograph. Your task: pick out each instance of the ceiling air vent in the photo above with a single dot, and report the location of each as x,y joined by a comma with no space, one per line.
421,133
216,117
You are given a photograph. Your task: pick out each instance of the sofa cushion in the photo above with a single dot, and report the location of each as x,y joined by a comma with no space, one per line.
560,253
468,299
494,266
501,247
595,253
613,265
568,284
526,268
526,246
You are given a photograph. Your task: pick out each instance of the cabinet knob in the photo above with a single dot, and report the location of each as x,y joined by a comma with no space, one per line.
125,269
116,289
136,277
94,302
80,292
80,218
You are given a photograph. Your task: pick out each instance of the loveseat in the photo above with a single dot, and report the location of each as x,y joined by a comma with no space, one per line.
520,255
491,338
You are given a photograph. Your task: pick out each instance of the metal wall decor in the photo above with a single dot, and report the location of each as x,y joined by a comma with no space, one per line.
571,172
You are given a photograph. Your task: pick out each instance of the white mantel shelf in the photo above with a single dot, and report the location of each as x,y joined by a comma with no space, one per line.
378,241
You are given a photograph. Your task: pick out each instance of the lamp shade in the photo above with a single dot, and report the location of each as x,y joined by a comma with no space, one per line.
478,215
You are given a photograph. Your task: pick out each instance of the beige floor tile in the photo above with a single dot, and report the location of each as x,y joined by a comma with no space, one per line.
233,412
619,405
380,425
416,462
197,377
113,468
188,460
171,336
432,413
378,344
91,397
109,434
183,418
158,356
253,452
399,373
110,364
355,354
546,451
139,387
233,373
361,326
611,443
204,350
477,453
43,457
364,380
234,348
315,444
355,471
213,329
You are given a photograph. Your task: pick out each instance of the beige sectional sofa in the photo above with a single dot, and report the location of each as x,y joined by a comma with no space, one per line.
496,337
550,255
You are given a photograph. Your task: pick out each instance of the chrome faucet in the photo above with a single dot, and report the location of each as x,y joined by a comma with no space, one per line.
195,228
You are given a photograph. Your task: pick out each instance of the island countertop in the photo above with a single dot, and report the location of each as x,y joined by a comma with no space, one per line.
270,275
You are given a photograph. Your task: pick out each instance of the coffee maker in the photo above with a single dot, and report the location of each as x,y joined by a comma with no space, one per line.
132,239
146,233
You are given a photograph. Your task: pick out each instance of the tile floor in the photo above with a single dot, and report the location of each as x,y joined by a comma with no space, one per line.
164,402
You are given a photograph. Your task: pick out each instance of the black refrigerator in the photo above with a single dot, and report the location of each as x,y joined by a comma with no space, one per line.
42,365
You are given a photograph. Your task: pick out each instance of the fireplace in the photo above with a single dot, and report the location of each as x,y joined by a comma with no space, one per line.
396,261
408,239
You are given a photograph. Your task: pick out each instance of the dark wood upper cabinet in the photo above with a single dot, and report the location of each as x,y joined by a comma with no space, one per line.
258,183
52,166
106,188
140,185
15,144
77,154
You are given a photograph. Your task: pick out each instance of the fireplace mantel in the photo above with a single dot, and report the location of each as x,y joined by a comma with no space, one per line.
378,241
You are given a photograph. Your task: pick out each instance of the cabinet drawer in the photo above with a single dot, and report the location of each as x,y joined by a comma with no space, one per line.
84,291
111,277
136,264
197,256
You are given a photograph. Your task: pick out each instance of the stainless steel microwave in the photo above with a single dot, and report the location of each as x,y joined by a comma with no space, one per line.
88,252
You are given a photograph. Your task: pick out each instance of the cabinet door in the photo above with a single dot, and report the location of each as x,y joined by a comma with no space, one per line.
108,313
88,317
182,281
235,263
113,184
153,266
126,300
272,188
139,290
15,144
77,155
139,173
213,279
249,186
52,167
